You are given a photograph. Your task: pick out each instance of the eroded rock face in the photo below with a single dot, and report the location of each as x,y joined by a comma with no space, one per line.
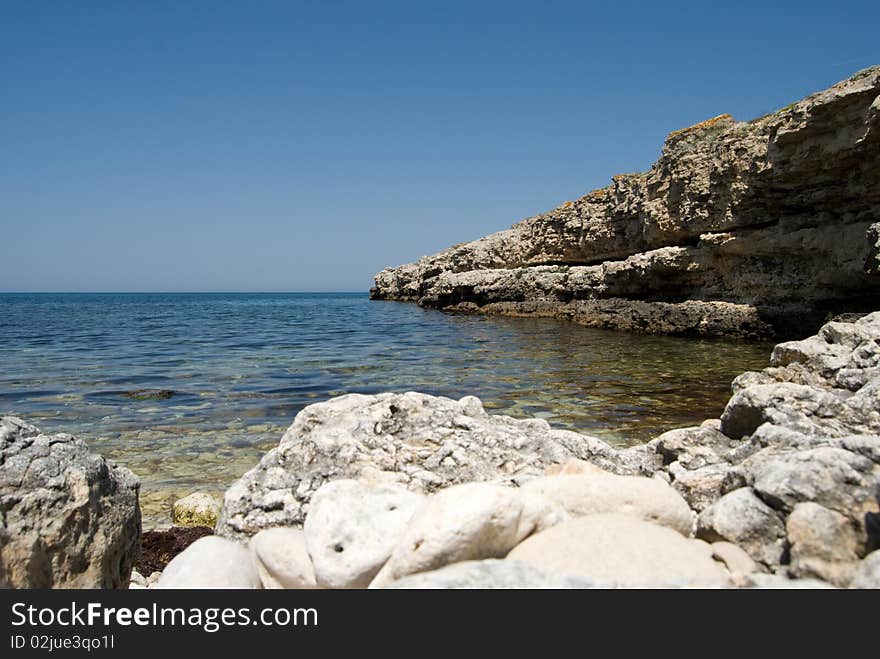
739,228
868,572
68,518
423,442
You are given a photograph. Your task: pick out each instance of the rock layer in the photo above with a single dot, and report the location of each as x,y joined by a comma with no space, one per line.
740,228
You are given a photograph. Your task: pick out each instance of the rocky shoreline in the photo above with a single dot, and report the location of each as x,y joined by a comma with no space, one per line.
760,228
754,229
416,491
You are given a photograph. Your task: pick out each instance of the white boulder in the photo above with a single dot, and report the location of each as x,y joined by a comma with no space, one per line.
622,551
465,522
649,499
281,559
352,527
211,562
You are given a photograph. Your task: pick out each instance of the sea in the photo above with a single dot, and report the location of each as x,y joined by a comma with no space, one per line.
188,390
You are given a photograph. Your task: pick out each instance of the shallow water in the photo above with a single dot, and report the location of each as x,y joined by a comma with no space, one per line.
241,366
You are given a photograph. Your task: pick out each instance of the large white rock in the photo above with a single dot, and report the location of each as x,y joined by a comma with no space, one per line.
352,527
465,522
211,562
281,559
538,513
588,494
489,573
423,442
621,550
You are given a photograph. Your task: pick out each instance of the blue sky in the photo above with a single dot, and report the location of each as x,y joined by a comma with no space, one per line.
280,146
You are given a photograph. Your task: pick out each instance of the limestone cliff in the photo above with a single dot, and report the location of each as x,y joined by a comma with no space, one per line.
741,228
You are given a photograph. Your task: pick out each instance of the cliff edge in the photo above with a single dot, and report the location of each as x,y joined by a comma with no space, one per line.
760,228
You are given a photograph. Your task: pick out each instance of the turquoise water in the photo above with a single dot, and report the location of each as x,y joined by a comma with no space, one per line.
236,368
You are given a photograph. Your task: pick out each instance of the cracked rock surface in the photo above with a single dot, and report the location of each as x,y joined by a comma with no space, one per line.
68,518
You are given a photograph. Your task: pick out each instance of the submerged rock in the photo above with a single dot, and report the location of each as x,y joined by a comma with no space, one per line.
148,394
69,518
196,509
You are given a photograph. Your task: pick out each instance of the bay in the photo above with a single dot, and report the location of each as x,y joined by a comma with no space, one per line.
189,389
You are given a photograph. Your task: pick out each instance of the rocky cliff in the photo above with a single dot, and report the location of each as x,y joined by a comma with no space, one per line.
413,490
740,228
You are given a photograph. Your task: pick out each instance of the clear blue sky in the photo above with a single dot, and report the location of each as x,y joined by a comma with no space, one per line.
304,146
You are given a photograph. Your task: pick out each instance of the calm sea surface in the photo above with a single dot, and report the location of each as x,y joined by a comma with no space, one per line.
236,368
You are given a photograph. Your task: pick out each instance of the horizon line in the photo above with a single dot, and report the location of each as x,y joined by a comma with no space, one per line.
178,292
